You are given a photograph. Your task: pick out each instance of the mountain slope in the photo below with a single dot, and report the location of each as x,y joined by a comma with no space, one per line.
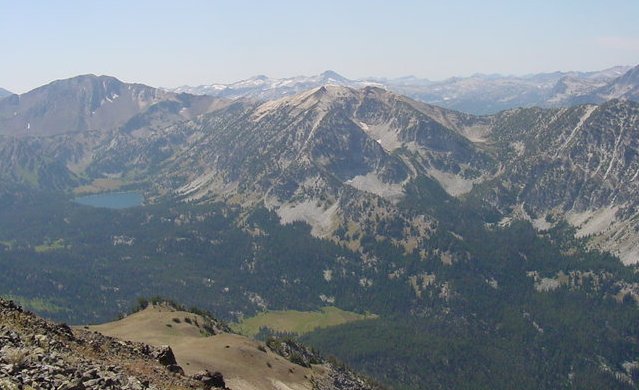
625,86
36,162
48,135
578,163
321,155
4,93
86,103
245,363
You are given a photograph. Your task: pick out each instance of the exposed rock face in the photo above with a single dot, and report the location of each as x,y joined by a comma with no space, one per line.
38,354
342,378
306,157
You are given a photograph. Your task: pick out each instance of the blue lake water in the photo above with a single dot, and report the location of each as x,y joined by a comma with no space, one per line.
112,200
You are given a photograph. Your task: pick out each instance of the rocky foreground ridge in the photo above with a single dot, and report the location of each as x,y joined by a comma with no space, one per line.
39,354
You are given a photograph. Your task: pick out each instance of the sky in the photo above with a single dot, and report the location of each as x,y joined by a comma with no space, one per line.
193,42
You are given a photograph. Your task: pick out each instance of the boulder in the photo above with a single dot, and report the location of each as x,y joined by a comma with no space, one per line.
215,379
175,368
165,356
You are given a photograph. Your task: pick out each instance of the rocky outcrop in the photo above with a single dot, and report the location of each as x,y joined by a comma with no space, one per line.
39,354
165,356
338,376
294,351
211,379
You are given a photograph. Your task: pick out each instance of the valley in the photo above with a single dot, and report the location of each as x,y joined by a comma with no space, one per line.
492,250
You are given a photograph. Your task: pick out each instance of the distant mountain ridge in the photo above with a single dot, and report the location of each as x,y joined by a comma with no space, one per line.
265,88
623,87
476,94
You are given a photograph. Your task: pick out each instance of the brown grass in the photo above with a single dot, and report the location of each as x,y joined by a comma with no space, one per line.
243,363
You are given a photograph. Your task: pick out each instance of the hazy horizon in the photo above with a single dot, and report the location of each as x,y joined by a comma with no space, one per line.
168,44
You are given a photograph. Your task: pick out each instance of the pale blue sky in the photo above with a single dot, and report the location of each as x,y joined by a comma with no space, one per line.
171,43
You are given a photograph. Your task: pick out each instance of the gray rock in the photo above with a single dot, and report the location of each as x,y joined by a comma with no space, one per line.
165,356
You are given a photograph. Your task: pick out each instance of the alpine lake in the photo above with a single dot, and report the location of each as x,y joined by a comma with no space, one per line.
112,200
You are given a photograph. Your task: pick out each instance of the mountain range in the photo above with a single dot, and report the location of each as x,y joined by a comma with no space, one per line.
265,88
300,155
459,230
476,94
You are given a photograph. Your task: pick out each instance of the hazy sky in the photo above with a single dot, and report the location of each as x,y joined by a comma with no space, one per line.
172,43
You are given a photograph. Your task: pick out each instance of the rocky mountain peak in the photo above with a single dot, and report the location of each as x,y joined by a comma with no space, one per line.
320,98
334,76
89,103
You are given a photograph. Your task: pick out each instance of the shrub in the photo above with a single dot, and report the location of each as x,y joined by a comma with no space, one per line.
16,356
